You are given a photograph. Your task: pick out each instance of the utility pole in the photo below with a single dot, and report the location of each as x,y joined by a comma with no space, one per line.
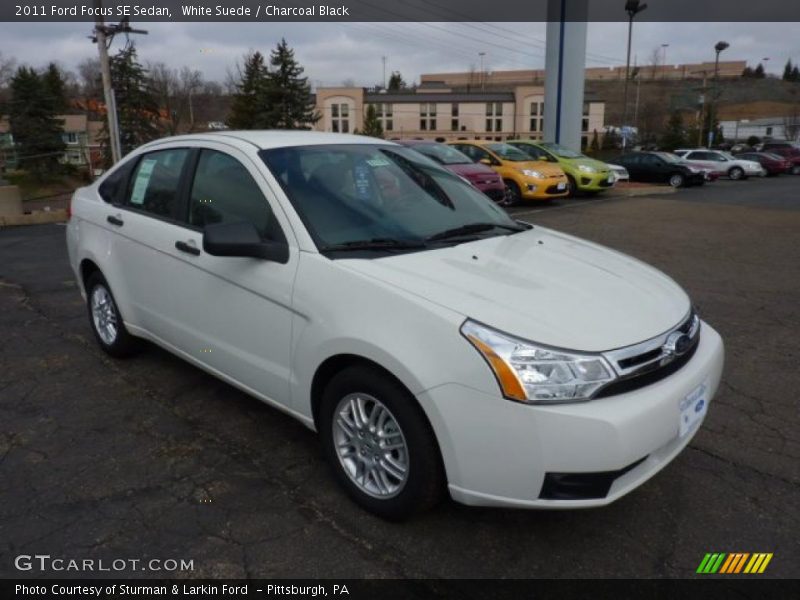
719,47
633,8
383,58
103,36
483,75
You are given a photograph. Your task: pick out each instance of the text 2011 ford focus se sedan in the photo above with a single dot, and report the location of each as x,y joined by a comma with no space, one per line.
432,341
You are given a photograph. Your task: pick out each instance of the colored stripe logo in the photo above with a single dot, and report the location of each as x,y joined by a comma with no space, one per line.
734,563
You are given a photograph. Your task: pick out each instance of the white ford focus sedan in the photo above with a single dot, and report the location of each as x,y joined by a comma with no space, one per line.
435,343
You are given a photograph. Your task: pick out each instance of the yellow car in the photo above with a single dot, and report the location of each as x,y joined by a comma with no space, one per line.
526,179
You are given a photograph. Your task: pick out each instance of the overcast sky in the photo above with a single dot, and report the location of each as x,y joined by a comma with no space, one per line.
333,53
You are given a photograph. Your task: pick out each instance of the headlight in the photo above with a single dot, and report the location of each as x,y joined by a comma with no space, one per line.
587,169
531,173
537,374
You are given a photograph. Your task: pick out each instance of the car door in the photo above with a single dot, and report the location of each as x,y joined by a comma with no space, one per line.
146,225
707,160
235,313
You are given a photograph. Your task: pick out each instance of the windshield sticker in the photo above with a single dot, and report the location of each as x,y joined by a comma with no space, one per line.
378,162
142,181
362,182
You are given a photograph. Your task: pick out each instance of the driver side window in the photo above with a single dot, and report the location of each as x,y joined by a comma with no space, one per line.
223,191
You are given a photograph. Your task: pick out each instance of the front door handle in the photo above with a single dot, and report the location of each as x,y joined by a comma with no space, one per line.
189,249
115,220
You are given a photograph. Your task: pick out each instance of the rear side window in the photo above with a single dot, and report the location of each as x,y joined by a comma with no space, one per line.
224,192
154,185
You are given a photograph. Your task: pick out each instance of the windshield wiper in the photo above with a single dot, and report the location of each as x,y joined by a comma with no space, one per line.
470,228
374,244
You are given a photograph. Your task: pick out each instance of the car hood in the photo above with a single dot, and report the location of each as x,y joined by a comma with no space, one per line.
543,286
473,170
545,168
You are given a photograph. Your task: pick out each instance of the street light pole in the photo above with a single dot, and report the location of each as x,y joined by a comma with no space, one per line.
483,75
719,47
664,60
632,7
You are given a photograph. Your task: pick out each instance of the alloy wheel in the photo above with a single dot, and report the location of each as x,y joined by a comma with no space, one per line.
104,315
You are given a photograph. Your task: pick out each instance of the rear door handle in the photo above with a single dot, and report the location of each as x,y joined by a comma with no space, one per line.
115,220
189,249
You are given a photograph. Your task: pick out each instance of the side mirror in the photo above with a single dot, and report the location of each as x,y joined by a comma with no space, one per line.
242,239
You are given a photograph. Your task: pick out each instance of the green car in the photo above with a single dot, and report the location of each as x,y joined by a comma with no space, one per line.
584,174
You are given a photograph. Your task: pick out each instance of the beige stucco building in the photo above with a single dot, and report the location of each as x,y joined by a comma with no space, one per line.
434,111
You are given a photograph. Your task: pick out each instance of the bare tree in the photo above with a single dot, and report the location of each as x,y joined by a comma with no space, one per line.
89,79
175,90
7,66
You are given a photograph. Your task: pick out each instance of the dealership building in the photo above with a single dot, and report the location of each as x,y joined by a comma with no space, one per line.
437,112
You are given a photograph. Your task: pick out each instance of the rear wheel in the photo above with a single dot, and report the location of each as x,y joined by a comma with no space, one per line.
379,444
513,193
105,320
677,180
736,173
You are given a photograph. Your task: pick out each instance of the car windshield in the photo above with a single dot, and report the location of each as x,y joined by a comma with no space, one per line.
508,152
563,151
446,155
381,198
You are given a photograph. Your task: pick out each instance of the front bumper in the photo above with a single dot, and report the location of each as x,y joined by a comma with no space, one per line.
540,189
498,452
594,182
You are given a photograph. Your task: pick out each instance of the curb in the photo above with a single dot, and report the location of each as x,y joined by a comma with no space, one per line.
35,218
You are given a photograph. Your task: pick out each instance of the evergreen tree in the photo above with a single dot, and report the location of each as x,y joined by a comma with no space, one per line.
372,126
396,82
55,88
787,71
611,140
249,106
759,72
674,137
36,130
137,108
290,105
795,73
747,73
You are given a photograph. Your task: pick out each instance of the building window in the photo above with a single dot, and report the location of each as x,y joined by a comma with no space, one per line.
385,113
427,116
537,115
585,121
494,109
340,118
454,117
71,137
769,131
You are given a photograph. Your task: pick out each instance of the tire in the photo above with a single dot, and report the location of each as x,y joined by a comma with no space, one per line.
105,320
795,170
352,445
677,180
514,195
736,173
572,186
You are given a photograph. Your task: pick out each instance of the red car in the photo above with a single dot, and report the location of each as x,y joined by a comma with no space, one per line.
482,177
774,164
788,150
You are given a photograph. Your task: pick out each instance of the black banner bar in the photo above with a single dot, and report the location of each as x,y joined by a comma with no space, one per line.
394,11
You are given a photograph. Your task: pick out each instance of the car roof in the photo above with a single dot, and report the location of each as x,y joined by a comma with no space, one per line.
278,138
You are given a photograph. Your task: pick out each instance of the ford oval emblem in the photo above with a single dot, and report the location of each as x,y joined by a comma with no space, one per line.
699,406
677,344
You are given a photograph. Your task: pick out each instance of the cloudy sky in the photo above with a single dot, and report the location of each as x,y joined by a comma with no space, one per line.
334,53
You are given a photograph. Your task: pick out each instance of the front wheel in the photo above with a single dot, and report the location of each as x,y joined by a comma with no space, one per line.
572,186
736,173
513,193
379,444
677,180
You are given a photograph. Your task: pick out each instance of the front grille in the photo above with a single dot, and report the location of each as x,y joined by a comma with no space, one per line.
496,194
653,360
606,183
553,189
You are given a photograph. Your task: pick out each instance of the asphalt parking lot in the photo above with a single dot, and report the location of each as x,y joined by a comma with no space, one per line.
152,458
